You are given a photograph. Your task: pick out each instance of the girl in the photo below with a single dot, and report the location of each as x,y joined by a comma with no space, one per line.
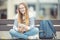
23,24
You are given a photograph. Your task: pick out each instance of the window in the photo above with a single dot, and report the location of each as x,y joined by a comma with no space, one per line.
53,12
49,10
3,14
32,5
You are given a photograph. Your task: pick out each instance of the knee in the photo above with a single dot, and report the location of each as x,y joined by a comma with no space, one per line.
36,30
11,31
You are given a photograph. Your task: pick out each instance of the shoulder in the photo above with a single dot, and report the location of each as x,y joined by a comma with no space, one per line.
31,14
16,16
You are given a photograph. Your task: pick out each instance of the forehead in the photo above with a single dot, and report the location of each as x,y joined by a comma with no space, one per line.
21,5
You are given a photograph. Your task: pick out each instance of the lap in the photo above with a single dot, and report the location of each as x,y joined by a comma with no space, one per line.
32,31
17,34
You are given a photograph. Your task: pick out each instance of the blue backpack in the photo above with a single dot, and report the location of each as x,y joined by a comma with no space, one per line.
47,30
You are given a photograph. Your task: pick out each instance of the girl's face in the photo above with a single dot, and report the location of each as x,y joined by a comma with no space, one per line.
22,8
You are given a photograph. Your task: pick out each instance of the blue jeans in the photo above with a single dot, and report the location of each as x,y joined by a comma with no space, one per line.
25,35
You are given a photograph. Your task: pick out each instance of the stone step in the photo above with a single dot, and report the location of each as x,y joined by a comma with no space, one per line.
6,35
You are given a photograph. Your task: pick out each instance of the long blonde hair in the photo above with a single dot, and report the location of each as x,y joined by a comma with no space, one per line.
26,14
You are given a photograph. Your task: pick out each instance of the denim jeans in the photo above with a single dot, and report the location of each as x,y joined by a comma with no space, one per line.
31,32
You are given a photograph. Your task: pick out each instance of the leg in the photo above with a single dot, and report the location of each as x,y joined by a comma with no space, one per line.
32,32
17,34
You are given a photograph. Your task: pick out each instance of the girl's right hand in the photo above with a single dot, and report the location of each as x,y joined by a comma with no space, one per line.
19,29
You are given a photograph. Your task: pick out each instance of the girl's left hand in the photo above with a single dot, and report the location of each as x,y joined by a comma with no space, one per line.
27,28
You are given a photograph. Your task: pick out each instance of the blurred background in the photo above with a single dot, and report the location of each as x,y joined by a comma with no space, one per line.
44,9
41,9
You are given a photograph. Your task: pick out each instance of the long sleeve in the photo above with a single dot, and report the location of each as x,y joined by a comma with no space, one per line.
32,19
15,23
51,26
32,22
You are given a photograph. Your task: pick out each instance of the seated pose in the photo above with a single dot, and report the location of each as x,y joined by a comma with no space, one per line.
23,24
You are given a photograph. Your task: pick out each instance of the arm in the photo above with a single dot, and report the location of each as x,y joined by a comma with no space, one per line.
32,22
15,26
32,19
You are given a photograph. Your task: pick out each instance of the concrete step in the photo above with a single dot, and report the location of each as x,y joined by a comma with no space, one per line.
6,35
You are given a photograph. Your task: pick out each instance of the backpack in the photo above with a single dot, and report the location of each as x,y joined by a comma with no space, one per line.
47,30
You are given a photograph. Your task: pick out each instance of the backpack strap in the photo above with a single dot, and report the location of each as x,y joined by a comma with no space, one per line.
53,29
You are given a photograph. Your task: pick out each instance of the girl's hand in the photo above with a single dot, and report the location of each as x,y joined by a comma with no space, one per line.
21,29
27,28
